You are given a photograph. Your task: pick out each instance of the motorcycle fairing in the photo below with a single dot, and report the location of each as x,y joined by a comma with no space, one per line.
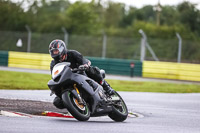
67,77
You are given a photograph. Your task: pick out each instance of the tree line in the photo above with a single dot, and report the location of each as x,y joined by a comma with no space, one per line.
96,17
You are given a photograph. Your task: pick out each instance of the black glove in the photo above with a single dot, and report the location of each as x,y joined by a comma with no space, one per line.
83,67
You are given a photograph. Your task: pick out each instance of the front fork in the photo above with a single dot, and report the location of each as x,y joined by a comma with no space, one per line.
76,93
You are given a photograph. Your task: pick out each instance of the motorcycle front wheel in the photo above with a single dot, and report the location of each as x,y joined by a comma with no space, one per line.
79,111
119,110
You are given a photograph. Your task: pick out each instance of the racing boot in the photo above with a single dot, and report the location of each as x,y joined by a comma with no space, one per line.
58,103
110,91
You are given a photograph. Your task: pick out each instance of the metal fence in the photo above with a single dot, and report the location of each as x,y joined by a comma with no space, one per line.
116,47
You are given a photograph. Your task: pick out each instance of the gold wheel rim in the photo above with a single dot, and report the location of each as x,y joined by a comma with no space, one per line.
80,106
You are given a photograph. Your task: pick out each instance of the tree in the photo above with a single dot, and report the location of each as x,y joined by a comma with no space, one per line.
169,15
128,17
82,19
190,16
113,14
146,13
12,16
50,16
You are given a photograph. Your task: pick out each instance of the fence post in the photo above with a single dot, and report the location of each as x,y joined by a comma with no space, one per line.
152,52
179,47
104,45
142,46
145,44
66,36
29,39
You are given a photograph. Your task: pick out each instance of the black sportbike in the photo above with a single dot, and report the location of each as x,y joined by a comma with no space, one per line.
83,97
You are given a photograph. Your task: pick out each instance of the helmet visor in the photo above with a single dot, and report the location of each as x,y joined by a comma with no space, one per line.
55,51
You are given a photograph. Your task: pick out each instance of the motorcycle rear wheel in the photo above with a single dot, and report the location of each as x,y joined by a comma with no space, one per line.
78,111
119,112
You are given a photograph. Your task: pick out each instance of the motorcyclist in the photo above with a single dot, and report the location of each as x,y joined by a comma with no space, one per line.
60,53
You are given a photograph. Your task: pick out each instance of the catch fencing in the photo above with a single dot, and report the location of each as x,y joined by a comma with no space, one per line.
92,46
116,47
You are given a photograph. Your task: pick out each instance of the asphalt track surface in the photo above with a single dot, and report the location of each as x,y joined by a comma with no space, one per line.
163,113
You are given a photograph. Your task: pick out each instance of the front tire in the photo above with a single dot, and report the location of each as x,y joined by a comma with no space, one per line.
119,110
80,112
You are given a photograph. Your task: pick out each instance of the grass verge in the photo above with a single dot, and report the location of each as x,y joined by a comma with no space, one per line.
33,81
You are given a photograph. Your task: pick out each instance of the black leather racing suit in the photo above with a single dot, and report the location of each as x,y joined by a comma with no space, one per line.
76,59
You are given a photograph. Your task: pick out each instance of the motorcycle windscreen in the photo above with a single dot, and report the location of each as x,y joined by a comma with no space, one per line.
58,68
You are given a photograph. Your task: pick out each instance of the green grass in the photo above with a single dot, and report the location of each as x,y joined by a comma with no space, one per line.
33,81
154,87
23,81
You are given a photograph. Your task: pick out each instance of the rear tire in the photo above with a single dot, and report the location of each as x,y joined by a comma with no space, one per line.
119,113
80,112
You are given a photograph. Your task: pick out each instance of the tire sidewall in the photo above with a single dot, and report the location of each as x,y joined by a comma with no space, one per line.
117,115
